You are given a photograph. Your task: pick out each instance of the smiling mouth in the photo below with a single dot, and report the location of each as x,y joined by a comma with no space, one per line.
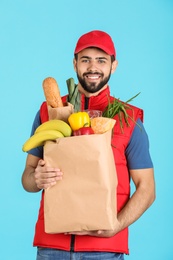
93,76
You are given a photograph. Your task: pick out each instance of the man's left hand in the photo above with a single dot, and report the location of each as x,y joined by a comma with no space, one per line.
98,233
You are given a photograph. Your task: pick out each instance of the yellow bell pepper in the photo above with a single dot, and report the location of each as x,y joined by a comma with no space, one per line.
78,120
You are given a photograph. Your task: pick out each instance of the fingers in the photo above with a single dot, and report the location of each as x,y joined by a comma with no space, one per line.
84,233
97,233
45,176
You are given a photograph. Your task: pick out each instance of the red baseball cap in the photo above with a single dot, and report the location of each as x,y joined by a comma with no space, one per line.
98,39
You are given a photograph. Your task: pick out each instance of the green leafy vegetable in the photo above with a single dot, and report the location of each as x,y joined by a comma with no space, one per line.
119,107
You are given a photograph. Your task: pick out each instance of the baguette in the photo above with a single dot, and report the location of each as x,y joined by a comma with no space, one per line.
52,92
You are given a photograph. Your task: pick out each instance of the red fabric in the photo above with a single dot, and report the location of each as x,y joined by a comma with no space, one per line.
119,242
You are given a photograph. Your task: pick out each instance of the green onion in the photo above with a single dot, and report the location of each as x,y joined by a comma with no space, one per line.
118,107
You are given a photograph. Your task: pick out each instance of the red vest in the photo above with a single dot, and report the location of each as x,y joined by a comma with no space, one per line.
119,242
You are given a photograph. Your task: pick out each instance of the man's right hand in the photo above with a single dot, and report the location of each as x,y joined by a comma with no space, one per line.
45,176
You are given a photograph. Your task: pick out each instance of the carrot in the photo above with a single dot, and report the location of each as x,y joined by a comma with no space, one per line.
52,92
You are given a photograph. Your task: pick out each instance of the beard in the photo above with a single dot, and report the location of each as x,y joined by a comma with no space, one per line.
93,87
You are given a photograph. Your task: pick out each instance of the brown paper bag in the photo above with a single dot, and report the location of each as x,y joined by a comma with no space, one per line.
61,112
85,199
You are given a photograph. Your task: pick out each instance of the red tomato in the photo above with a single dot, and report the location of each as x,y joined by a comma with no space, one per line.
83,131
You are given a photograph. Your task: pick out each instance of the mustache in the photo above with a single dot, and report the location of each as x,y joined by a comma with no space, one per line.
92,73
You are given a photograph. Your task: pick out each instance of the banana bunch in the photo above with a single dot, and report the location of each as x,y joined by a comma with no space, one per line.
49,130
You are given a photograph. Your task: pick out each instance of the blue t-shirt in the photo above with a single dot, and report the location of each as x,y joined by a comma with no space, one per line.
137,151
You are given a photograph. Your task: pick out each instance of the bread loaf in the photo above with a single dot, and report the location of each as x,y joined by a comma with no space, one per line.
52,92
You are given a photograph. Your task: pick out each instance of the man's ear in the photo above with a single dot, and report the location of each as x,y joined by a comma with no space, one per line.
74,64
114,66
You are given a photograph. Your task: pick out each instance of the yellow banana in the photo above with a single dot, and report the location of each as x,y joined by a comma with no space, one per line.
38,139
55,124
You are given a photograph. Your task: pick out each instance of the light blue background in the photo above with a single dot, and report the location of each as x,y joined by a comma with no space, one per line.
37,39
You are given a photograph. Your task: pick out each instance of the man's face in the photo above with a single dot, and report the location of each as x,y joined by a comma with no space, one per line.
93,68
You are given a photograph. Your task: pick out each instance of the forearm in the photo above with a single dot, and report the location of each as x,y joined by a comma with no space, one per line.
28,177
139,202
28,180
136,206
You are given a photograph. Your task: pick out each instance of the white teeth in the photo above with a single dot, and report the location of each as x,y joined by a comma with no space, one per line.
93,77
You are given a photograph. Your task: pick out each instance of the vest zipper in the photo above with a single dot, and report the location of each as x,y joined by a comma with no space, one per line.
73,236
86,103
72,243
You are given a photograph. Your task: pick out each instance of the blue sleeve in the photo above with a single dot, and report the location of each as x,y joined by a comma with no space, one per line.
38,151
137,151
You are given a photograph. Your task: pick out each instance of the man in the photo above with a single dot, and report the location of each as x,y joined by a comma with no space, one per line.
94,62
